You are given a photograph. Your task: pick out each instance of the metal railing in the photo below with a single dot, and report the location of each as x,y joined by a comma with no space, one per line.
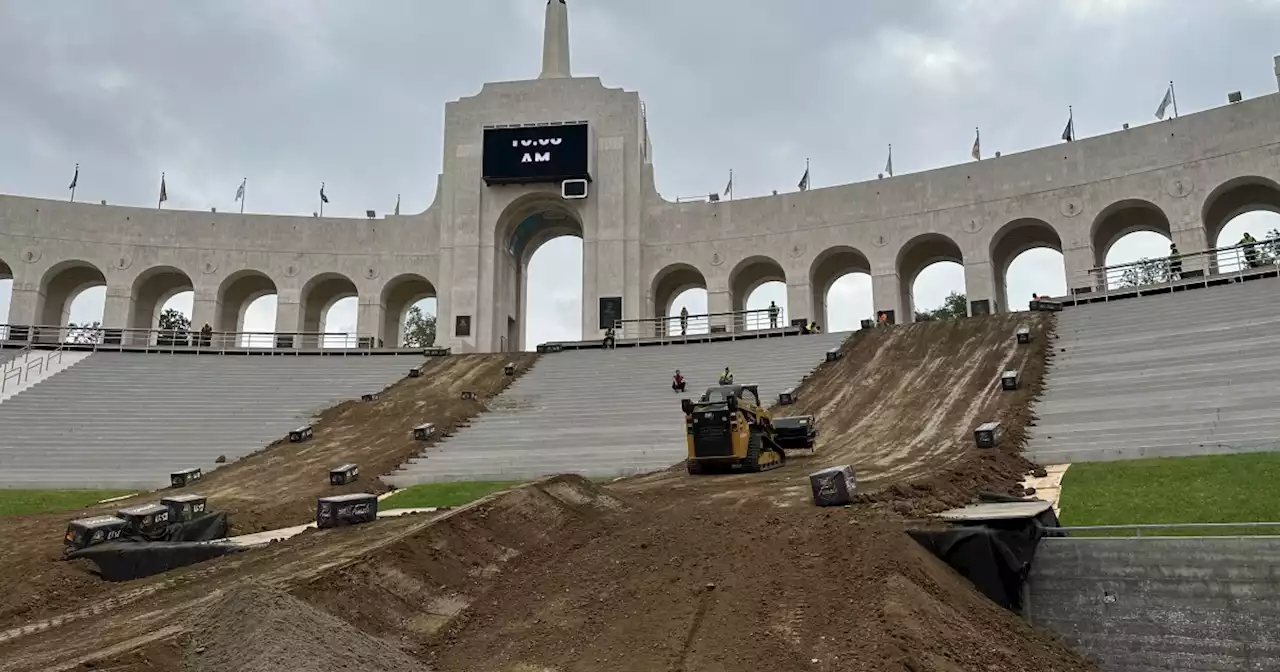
1160,275
28,362
1137,529
707,324
176,340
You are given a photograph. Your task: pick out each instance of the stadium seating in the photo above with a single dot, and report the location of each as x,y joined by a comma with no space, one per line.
1190,373
120,420
604,413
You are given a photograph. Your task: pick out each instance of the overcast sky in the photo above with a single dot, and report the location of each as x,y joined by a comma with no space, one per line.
289,93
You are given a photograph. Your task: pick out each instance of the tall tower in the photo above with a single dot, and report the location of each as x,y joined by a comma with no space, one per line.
555,42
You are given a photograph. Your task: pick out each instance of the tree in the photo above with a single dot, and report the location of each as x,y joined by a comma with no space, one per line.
955,306
174,327
84,334
1144,272
419,329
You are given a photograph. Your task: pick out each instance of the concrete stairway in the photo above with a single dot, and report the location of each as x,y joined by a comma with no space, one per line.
1190,373
607,413
121,420
32,368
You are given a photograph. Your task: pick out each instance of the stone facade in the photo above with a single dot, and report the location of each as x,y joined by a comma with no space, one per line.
1183,178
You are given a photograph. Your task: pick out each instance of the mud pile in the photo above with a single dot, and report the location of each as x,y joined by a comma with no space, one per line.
680,583
261,629
902,404
273,488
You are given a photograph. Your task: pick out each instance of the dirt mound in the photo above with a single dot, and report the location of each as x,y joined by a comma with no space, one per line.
261,629
273,488
687,584
902,404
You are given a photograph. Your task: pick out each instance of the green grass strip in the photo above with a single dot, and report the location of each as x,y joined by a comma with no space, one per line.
26,502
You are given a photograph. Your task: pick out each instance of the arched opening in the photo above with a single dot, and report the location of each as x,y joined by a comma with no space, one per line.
538,284
840,280
677,287
73,293
1120,220
1244,205
247,303
1026,255
152,290
931,272
755,284
330,306
6,296
399,297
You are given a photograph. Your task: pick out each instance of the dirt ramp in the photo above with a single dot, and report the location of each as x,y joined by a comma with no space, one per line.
261,629
902,404
697,586
414,587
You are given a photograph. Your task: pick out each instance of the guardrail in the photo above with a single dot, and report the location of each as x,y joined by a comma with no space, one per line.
731,322
177,340
1161,275
1138,529
26,363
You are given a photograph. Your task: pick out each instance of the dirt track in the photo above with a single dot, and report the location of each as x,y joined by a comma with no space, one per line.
276,487
665,572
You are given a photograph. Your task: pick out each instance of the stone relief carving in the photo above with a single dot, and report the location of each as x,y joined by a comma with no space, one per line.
31,255
1070,207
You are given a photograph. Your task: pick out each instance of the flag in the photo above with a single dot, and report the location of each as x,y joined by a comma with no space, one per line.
397,205
888,166
323,198
804,181
1069,133
240,191
75,178
977,145
164,193
728,189
1164,102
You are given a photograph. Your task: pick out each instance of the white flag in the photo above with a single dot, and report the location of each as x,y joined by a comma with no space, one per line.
977,146
1164,103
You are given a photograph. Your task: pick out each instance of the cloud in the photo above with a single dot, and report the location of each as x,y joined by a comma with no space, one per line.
291,93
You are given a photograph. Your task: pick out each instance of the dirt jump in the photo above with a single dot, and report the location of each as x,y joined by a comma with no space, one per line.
662,572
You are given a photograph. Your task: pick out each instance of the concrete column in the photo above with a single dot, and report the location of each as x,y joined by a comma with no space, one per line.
115,311
886,292
370,317
289,316
1191,240
719,301
23,304
555,41
1076,263
204,307
1278,72
980,285
799,303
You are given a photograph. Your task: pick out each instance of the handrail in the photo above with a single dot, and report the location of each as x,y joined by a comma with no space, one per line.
731,322
1188,269
173,340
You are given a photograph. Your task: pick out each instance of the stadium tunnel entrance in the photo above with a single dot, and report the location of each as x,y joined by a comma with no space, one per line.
538,289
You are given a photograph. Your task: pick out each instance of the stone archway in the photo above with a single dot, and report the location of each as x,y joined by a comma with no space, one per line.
316,298
1237,197
918,254
747,276
1121,219
151,290
235,294
61,284
527,224
829,266
1014,238
399,295
6,274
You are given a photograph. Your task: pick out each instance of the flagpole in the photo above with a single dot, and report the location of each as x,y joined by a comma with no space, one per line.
731,184
322,199
891,159
75,180
808,176
1173,96
244,193
160,200
1071,120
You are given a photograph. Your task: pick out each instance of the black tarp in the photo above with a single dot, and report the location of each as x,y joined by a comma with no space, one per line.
179,545
995,555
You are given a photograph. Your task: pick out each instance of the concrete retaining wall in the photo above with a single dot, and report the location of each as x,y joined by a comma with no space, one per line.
1146,604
